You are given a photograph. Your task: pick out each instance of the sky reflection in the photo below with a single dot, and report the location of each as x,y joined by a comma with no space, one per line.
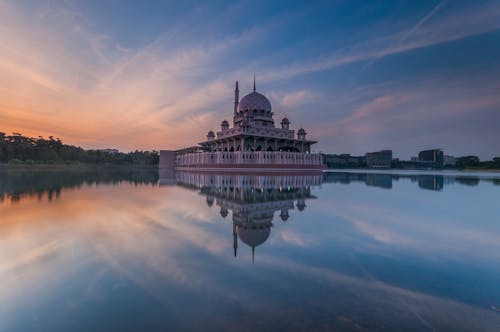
344,255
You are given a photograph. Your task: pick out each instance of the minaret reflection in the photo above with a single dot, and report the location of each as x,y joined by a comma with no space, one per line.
253,200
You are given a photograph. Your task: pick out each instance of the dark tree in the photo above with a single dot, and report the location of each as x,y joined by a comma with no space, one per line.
17,148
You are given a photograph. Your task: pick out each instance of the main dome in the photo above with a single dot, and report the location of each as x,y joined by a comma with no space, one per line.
254,101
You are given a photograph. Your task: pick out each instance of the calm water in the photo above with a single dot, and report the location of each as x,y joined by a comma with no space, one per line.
127,251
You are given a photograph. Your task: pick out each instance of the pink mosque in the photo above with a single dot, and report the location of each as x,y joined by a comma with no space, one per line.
253,143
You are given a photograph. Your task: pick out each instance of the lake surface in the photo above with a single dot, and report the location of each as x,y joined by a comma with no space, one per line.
346,251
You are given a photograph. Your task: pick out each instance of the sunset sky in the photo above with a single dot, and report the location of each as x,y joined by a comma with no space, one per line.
358,76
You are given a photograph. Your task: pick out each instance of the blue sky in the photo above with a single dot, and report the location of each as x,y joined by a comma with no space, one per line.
358,76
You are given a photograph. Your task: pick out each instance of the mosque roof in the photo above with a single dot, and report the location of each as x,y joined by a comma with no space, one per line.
254,101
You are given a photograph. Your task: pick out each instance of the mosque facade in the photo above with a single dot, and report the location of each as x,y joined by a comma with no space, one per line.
252,142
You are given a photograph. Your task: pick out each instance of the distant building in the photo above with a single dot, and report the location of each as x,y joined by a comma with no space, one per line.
433,158
343,160
110,151
379,159
449,161
407,164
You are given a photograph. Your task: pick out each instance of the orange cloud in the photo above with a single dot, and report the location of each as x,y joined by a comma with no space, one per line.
59,78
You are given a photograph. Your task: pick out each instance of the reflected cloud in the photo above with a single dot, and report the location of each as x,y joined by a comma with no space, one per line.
411,309
40,253
343,255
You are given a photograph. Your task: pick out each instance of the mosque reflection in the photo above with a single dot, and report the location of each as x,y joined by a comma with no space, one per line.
253,200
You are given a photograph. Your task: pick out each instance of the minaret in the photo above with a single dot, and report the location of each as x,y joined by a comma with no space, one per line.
235,236
236,98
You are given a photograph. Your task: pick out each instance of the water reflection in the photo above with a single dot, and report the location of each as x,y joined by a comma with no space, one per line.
18,184
118,252
49,184
252,200
425,181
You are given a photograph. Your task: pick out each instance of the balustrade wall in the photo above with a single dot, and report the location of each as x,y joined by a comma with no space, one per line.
201,180
248,157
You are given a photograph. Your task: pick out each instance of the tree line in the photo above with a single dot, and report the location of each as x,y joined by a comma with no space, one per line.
20,149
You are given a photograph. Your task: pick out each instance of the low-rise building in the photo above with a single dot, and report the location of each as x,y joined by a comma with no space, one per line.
343,160
379,159
110,151
449,161
432,158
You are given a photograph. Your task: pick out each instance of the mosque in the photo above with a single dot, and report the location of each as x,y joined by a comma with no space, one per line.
252,143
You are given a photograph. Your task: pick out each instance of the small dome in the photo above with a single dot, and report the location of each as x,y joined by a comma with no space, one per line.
301,131
285,120
224,123
224,212
211,134
301,205
254,101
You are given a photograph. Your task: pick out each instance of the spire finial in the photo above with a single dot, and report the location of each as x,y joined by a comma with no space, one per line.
253,83
253,254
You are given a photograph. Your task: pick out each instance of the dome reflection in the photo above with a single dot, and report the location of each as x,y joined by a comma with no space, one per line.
252,200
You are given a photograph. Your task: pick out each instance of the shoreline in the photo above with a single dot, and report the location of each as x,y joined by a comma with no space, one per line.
494,170
488,173
75,167
89,166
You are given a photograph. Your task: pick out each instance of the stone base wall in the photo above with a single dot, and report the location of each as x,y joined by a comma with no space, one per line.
258,158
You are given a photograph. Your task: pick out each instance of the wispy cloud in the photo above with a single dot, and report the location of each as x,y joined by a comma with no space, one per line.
292,99
412,117
411,31
451,26
111,91
61,75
